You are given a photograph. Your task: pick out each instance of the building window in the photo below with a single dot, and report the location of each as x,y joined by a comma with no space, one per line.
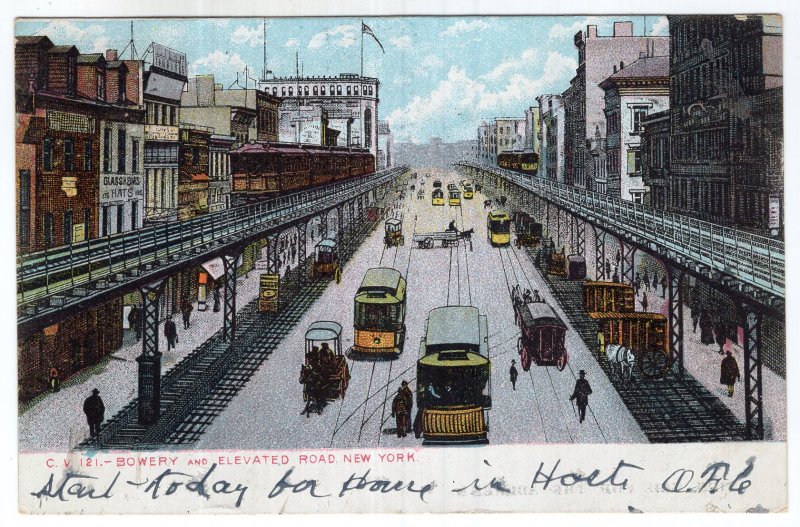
367,128
24,207
135,156
121,145
164,114
349,90
331,90
172,116
105,221
87,155
283,91
107,150
101,86
68,227
48,229
639,113
355,90
634,162
291,91
275,91
120,213
122,94
47,154
338,89
322,90
305,90
134,214
316,90
69,155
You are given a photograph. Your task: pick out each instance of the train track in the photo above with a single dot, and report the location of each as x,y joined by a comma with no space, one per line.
201,385
668,410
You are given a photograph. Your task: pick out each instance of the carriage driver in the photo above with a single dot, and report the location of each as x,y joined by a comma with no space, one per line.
452,226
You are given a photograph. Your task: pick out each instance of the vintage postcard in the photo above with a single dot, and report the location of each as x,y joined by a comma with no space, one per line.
316,264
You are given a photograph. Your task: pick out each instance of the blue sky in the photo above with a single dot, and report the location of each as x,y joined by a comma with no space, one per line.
439,76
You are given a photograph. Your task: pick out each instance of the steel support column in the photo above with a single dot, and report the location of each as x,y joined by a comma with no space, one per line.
580,237
600,255
674,277
230,263
272,254
628,253
149,401
754,416
323,225
302,245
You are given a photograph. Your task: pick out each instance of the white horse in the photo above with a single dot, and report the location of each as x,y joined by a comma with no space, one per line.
621,360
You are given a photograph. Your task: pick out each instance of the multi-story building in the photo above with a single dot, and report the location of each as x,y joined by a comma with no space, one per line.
193,174
656,157
510,134
483,146
349,100
726,118
551,137
219,171
306,125
385,146
163,85
531,140
638,89
584,100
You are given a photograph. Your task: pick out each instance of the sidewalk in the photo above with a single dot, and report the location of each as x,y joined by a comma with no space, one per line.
703,363
56,421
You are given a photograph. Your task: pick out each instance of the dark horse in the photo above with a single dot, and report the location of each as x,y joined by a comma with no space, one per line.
467,236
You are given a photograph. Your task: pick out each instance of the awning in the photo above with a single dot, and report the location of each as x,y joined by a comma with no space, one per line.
215,268
199,177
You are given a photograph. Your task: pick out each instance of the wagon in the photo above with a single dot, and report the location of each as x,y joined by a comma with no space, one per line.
329,363
643,333
430,239
541,335
576,267
326,260
394,233
528,231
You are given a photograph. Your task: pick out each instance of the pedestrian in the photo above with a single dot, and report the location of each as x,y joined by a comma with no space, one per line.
729,372
55,380
694,308
513,373
216,298
95,411
608,269
646,279
581,395
664,286
133,322
536,297
171,332
720,335
643,301
706,328
615,278
409,403
400,412
186,311
655,281
527,297
601,344
637,284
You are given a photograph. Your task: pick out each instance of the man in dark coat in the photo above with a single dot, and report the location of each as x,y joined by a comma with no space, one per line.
514,374
581,395
644,301
400,412
409,403
646,281
95,411
216,298
719,334
55,380
171,332
133,321
664,286
706,328
694,309
186,311
729,372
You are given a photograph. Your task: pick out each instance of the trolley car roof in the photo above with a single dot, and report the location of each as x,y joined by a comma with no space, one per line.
327,242
381,285
393,221
499,215
323,330
453,326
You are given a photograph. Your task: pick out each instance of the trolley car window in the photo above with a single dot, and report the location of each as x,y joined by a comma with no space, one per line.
501,226
377,315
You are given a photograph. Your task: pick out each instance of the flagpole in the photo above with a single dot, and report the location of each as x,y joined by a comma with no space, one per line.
361,90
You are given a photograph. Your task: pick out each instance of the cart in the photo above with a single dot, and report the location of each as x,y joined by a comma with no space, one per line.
326,260
444,239
327,361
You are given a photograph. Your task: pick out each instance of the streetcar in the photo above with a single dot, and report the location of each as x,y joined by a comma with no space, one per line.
380,313
453,378
454,197
437,197
393,233
469,192
325,372
326,260
646,334
498,228
541,335
602,297
528,231
526,162
437,183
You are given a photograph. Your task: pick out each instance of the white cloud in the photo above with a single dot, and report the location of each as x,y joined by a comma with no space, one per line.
252,36
462,26
403,42
223,65
343,36
463,99
527,60
292,42
660,26
428,64
561,31
88,39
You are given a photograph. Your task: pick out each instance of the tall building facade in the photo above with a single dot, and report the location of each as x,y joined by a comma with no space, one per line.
531,140
510,134
726,118
349,100
638,89
656,157
551,137
584,100
385,146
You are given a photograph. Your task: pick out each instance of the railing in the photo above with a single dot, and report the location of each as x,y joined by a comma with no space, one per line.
63,268
753,259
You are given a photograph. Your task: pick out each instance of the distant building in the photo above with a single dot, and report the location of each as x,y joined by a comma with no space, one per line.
484,146
510,135
726,118
656,157
306,125
219,171
584,100
551,137
633,92
349,100
193,180
531,140
385,146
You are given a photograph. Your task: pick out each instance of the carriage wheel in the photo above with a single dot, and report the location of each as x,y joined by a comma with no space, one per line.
338,275
524,356
429,243
562,360
625,372
654,364
402,240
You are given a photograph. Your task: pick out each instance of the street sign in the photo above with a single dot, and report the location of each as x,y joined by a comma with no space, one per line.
268,293
78,232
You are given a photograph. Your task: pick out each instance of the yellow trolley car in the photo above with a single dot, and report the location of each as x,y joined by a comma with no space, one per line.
380,313
437,197
498,228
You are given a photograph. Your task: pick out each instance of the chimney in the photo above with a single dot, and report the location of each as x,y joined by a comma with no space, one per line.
623,29
643,54
591,31
111,55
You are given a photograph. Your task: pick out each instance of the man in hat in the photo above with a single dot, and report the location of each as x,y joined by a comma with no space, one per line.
729,372
400,413
95,410
409,395
581,394
514,374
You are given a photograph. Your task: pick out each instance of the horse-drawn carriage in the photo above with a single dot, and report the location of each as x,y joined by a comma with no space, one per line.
447,238
634,339
576,267
541,334
393,233
324,374
557,264
528,231
326,260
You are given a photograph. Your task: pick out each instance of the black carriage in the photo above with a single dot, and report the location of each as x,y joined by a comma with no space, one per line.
542,335
325,375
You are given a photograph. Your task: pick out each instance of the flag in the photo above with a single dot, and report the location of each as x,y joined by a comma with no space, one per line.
366,29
